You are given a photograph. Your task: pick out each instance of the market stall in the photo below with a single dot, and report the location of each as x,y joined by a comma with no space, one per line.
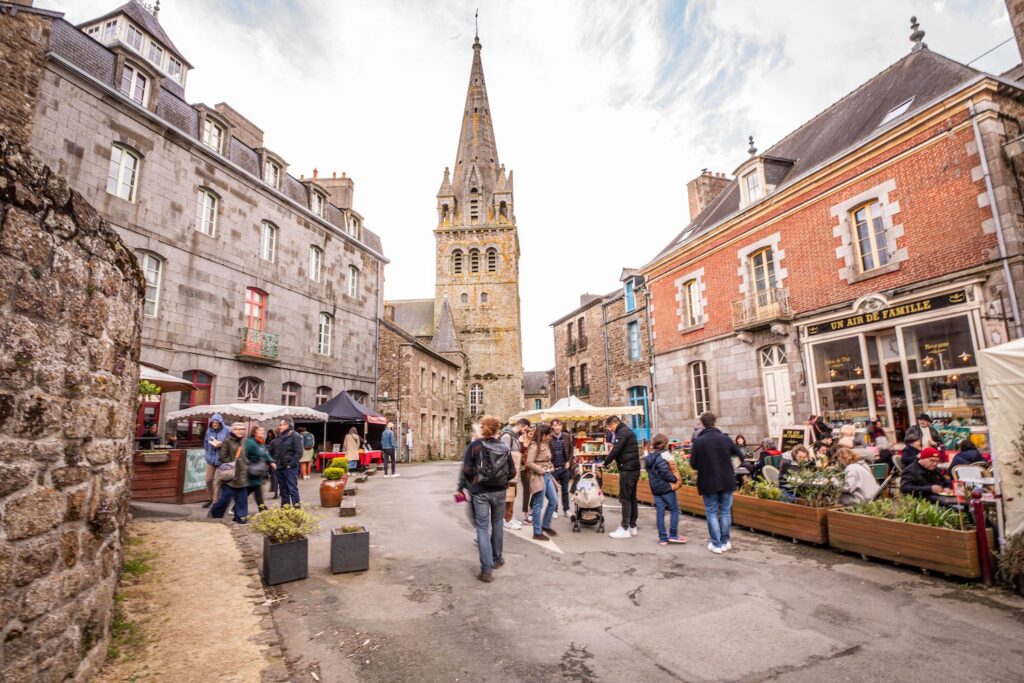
344,412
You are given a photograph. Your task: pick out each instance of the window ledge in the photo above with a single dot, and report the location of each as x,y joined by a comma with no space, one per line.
875,272
693,328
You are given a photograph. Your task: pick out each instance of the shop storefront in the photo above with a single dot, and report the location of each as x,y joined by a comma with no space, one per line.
894,360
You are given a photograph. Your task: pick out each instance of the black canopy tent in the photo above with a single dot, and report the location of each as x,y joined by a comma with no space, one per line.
345,412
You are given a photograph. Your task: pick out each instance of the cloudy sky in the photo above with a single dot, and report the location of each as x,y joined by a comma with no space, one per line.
604,109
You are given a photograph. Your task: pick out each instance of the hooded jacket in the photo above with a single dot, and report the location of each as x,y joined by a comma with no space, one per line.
213,452
659,474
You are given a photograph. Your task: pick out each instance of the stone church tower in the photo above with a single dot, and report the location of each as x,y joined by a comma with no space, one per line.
478,260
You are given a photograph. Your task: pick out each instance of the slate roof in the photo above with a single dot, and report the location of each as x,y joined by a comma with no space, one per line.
404,334
415,316
923,75
445,339
535,383
150,24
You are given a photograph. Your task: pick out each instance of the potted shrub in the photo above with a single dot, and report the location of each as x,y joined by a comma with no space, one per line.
332,488
285,543
687,496
802,515
350,549
1011,563
910,531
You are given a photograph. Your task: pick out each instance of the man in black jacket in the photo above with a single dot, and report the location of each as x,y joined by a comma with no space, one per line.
287,455
561,459
626,455
922,477
716,480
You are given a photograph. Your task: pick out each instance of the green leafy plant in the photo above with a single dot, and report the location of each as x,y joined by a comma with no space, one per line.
1011,561
334,473
912,511
687,474
148,389
286,523
761,488
816,487
349,529
339,463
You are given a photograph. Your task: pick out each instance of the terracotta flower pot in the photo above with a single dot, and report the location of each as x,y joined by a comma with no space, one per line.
332,491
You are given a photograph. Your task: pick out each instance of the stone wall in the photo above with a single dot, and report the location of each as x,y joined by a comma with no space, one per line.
70,322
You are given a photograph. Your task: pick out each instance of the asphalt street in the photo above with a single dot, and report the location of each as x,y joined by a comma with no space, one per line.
590,608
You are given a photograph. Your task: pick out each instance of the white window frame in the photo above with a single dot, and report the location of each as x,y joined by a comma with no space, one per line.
476,399
159,62
353,226
250,390
700,387
691,303
316,263
135,76
268,241
128,34
325,333
110,30
878,243
175,69
153,269
633,336
272,174
207,208
317,202
757,191
353,281
124,176
213,135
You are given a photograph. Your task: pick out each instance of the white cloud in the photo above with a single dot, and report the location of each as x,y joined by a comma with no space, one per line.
604,110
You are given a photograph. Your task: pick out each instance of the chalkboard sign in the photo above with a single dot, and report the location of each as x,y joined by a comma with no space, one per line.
792,436
195,470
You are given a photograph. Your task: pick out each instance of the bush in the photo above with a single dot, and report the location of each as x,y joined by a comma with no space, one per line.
1011,561
339,463
350,529
761,488
687,474
334,473
816,487
283,524
913,511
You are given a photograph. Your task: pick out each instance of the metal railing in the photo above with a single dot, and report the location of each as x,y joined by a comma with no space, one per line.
583,390
570,347
761,308
259,344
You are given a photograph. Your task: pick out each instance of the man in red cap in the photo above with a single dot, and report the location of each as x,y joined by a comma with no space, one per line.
922,478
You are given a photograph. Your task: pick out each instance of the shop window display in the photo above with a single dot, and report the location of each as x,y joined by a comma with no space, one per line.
941,359
838,361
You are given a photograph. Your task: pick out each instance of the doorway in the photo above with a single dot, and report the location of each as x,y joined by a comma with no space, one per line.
778,398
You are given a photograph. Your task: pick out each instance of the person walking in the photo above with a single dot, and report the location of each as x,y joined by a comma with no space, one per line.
236,489
308,452
626,455
663,487
261,465
351,447
289,455
716,480
542,485
216,432
487,466
272,449
512,436
388,445
561,459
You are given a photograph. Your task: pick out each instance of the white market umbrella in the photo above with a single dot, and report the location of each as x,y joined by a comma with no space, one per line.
1002,385
574,409
249,411
167,383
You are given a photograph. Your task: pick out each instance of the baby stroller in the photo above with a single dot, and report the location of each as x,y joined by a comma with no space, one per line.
588,502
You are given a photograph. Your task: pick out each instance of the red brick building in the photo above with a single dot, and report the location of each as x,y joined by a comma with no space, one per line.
855,267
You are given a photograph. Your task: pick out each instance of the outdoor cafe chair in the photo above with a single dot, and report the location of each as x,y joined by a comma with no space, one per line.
968,472
771,474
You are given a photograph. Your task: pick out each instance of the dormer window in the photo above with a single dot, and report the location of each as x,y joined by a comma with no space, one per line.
316,203
155,54
213,135
109,30
272,174
134,84
174,69
752,181
133,37
353,226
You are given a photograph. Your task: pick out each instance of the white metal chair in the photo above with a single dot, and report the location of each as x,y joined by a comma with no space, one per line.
771,474
968,473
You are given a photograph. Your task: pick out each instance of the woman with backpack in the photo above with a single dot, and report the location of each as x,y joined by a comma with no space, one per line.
488,468
542,484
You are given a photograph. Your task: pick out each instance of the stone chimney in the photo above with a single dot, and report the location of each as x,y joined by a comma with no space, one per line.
340,189
389,311
702,190
1016,10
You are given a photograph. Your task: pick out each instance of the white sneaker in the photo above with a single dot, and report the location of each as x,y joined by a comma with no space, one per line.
633,531
508,525
515,524
714,548
727,546
387,476
620,533
396,474
555,515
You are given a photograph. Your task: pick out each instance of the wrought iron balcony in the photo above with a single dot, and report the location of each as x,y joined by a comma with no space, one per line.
258,346
761,309
570,347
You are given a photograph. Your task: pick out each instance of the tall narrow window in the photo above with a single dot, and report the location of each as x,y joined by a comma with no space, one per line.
691,304
701,395
353,226
476,399
323,395
174,68
423,380
474,205
152,268
290,392
109,30
134,84
581,332
762,274
206,212
316,203
353,281
250,390
213,135
272,174
255,309
492,260
634,340
572,381
464,298
484,298
326,325
191,431
584,379
268,241
474,260
629,296
433,383
753,182
123,173
133,37
155,54
872,250
316,262
457,262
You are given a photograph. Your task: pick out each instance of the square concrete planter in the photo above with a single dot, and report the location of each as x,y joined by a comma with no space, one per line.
283,562
350,552
789,520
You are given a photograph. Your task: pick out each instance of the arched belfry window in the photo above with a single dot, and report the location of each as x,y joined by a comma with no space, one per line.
457,261
492,260
474,205
474,260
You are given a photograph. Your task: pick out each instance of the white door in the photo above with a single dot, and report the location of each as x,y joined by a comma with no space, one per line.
778,399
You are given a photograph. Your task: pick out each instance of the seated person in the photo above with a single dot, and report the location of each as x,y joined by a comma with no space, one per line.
171,439
911,450
768,449
848,437
859,485
884,451
922,478
968,455
798,459
820,451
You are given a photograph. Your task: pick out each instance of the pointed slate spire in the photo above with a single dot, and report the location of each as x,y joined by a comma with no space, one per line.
445,340
446,185
502,184
476,161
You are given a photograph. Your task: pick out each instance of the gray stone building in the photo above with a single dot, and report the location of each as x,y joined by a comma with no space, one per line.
261,286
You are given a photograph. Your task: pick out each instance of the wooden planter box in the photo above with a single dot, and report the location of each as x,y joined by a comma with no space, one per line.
643,492
788,520
689,500
949,551
610,484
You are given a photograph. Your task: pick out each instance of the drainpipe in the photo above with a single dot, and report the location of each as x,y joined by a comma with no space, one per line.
376,338
998,223
651,412
607,363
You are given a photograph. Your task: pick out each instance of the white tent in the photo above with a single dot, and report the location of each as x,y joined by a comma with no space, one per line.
167,383
1002,384
249,411
572,408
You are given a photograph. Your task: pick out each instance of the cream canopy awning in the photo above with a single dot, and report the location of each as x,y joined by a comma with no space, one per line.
574,409
1002,385
167,383
249,411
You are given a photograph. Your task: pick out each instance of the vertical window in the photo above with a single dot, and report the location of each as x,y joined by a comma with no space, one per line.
433,383
630,296
457,262
353,226
353,281
206,212
133,37
316,261
581,332
537,404
174,68
191,431
584,377
123,173
492,260
323,395
423,379
753,183
474,206
483,297
268,241
272,174
316,203
423,425
870,237
691,304
476,399
250,390
213,135
326,325
155,54
762,274
152,268
701,395
290,394
109,31
464,298
474,260
572,380
255,308
634,340
134,84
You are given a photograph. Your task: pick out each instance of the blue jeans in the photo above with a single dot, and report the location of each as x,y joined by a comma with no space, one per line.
288,483
488,516
718,508
667,501
227,494
537,504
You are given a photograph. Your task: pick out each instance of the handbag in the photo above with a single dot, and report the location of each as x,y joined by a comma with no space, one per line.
226,471
257,470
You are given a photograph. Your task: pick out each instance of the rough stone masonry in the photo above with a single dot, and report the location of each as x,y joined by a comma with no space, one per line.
70,324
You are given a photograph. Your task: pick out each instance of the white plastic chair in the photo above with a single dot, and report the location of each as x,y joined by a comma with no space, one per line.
968,473
771,474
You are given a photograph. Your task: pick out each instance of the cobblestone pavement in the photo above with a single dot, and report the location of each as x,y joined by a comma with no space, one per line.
598,609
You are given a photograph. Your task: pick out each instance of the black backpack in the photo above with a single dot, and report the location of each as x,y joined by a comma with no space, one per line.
493,464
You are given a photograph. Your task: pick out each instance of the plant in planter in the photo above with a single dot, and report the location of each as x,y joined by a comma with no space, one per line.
285,543
816,487
913,511
1011,563
761,488
332,488
350,549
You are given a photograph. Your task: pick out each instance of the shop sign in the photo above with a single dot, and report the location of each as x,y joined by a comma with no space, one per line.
793,436
896,312
195,470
